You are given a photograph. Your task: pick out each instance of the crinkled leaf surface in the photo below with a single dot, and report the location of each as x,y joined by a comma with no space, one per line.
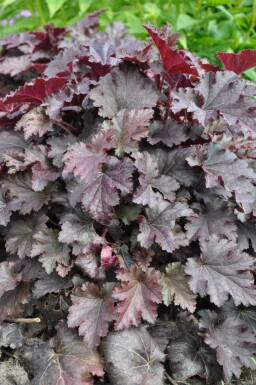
11,141
85,160
234,343
21,190
175,287
50,283
50,250
19,238
151,179
129,126
7,206
136,363
169,133
159,226
222,269
124,88
8,278
219,92
34,122
219,163
65,359
77,226
101,195
92,310
138,295
12,302
215,218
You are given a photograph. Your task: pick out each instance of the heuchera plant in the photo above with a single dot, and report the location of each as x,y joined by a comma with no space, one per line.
127,209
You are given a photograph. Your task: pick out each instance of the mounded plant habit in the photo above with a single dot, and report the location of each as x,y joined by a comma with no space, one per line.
127,209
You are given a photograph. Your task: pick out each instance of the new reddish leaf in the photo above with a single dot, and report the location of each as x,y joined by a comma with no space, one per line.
238,62
92,310
138,295
36,92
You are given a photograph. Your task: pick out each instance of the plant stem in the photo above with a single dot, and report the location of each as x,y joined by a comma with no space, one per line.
170,379
24,320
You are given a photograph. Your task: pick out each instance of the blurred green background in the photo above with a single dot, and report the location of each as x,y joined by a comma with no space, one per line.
205,26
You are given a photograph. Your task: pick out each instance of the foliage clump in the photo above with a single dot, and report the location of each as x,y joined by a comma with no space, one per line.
127,208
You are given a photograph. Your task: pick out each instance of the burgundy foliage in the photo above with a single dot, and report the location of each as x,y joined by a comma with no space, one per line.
127,208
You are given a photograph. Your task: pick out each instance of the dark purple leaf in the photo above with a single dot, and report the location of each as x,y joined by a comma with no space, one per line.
159,226
222,269
124,88
136,363
234,343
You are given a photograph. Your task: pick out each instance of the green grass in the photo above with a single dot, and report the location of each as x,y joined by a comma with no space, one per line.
205,26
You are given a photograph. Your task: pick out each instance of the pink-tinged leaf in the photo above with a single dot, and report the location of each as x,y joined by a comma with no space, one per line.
20,189
235,173
222,269
92,310
159,226
139,294
64,360
215,218
8,278
107,259
101,195
238,62
151,179
233,341
169,133
85,160
174,60
175,287
36,92
124,88
34,122
19,237
11,142
50,250
221,93
133,358
78,226
42,170
12,302
128,128
15,65
7,206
